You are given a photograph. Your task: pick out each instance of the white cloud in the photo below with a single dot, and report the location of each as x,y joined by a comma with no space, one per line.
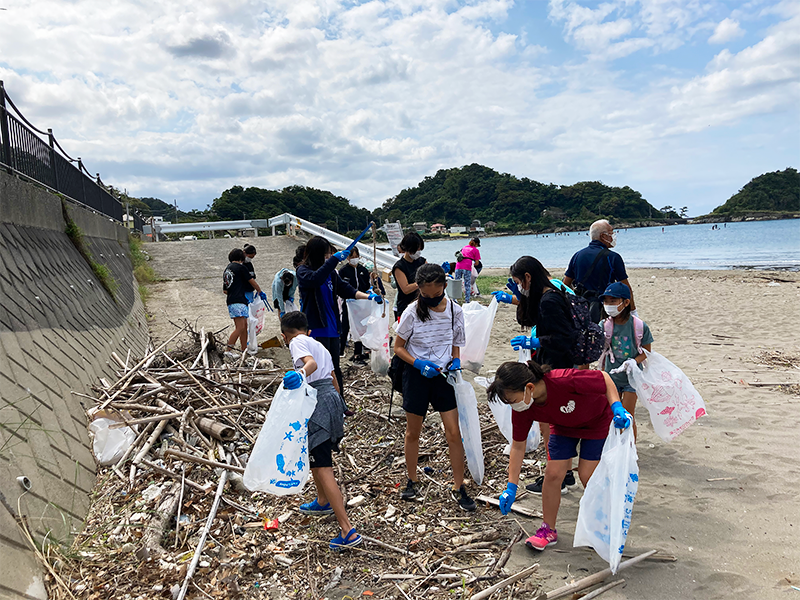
725,31
184,100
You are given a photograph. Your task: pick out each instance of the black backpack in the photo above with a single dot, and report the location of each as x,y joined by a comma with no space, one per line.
591,296
591,338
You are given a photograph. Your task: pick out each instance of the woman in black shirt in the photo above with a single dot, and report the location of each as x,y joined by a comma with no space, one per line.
236,283
249,255
405,270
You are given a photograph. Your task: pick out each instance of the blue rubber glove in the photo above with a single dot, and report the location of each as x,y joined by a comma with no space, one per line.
342,255
523,341
514,288
427,368
507,498
503,297
281,315
455,365
622,419
446,266
263,296
292,380
376,297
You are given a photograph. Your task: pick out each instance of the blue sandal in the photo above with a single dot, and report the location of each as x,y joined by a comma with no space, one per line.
340,543
315,508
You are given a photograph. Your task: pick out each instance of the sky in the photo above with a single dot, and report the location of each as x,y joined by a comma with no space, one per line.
682,100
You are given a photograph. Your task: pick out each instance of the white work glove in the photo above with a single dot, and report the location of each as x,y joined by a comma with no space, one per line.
627,367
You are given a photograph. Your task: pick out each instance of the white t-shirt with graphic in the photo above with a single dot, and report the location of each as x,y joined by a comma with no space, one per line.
433,339
302,346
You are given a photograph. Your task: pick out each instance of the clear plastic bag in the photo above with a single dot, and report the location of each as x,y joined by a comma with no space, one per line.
604,516
502,415
109,445
469,424
478,321
255,323
668,395
369,323
379,359
278,463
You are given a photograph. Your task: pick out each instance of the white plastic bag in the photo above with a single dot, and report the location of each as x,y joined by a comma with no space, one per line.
478,321
288,306
359,311
469,424
278,463
379,359
255,323
502,415
668,395
605,512
109,445
369,324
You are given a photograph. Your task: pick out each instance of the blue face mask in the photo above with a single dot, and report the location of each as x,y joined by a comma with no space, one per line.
432,301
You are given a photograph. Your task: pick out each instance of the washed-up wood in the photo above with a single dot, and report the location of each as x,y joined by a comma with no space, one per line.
481,536
505,583
603,590
202,461
217,430
591,580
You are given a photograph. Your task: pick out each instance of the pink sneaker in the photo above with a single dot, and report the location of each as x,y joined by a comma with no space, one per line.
543,538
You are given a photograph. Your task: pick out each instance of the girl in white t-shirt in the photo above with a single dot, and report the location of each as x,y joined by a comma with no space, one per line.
326,425
429,340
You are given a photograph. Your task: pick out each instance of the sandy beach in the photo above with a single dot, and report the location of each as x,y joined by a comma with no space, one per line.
736,535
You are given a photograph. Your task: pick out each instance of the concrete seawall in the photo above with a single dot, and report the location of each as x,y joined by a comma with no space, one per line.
58,328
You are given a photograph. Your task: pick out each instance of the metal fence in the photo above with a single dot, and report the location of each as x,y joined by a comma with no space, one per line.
23,151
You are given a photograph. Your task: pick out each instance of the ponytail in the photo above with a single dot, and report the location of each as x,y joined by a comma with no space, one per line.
513,377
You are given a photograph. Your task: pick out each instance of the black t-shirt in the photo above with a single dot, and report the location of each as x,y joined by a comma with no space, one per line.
250,269
236,281
410,271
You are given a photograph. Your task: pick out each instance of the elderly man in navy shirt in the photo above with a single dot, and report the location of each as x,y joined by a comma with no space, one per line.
591,270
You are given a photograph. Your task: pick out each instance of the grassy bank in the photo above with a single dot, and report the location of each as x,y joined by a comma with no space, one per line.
143,272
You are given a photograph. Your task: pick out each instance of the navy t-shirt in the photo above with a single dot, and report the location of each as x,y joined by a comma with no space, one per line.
327,308
606,271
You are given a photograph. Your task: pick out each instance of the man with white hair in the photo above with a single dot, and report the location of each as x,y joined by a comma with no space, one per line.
592,269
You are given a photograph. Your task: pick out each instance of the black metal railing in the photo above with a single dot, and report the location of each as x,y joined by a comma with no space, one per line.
25,152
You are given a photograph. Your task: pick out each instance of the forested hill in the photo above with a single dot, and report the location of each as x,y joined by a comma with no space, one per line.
778,191
318,206
461,195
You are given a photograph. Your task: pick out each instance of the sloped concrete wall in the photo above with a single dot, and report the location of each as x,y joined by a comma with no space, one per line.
58,328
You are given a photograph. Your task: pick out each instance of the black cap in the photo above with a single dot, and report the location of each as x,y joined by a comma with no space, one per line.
476,241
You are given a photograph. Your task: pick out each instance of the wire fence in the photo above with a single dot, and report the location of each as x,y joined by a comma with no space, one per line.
24,151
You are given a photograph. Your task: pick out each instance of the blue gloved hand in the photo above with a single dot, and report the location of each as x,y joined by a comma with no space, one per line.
342,255
507,498
503,297
281,315
622,418
376,297
512,285
263,296
292,380
523,341
455,365
446,266
427,368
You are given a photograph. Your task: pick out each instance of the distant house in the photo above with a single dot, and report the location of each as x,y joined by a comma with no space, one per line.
475,223
458,229
438,228
555,213
490,225
420,226
477,230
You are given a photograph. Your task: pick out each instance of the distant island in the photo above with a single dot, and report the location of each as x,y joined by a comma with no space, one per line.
769,196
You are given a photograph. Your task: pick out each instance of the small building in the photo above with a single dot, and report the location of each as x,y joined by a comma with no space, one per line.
475,223
490,225
555,213
438,228
458,229
477,230
420,226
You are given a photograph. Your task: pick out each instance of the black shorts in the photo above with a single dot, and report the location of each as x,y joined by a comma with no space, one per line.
321,456
419,392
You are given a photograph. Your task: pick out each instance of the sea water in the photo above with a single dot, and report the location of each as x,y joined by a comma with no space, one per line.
749,245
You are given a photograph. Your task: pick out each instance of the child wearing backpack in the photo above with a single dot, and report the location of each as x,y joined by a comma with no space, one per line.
326,425
626,335
429,340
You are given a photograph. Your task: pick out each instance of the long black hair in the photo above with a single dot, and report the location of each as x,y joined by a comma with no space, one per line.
528,308
428,273
513,377
316,249
299,253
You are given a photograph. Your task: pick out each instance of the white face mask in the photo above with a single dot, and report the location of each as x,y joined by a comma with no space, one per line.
613,242
612,310
525,292
416,255
355,261
248,259
522,406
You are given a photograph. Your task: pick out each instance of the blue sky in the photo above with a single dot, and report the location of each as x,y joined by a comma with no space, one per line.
683,100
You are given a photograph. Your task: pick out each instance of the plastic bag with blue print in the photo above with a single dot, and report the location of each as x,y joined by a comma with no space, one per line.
278,463
604,517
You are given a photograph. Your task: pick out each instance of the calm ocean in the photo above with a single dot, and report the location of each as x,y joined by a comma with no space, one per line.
751,245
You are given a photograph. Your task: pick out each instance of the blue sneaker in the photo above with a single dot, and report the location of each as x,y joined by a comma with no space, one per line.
314,508
340,543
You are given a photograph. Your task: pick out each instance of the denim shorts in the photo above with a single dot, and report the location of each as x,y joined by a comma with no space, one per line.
238,310
624,388
562,447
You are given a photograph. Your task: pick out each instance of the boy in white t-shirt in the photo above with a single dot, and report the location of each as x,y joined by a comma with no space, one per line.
326,425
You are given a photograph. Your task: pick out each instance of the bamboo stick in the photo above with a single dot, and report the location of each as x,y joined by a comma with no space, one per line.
605,588
382,544
506,582
203,461
591,580
177,414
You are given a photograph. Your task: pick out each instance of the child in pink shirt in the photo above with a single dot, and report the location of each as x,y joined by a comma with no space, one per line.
470,254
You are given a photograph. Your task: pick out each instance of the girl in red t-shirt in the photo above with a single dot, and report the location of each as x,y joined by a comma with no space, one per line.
579,406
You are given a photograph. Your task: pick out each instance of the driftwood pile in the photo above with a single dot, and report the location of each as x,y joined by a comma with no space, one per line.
172,519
